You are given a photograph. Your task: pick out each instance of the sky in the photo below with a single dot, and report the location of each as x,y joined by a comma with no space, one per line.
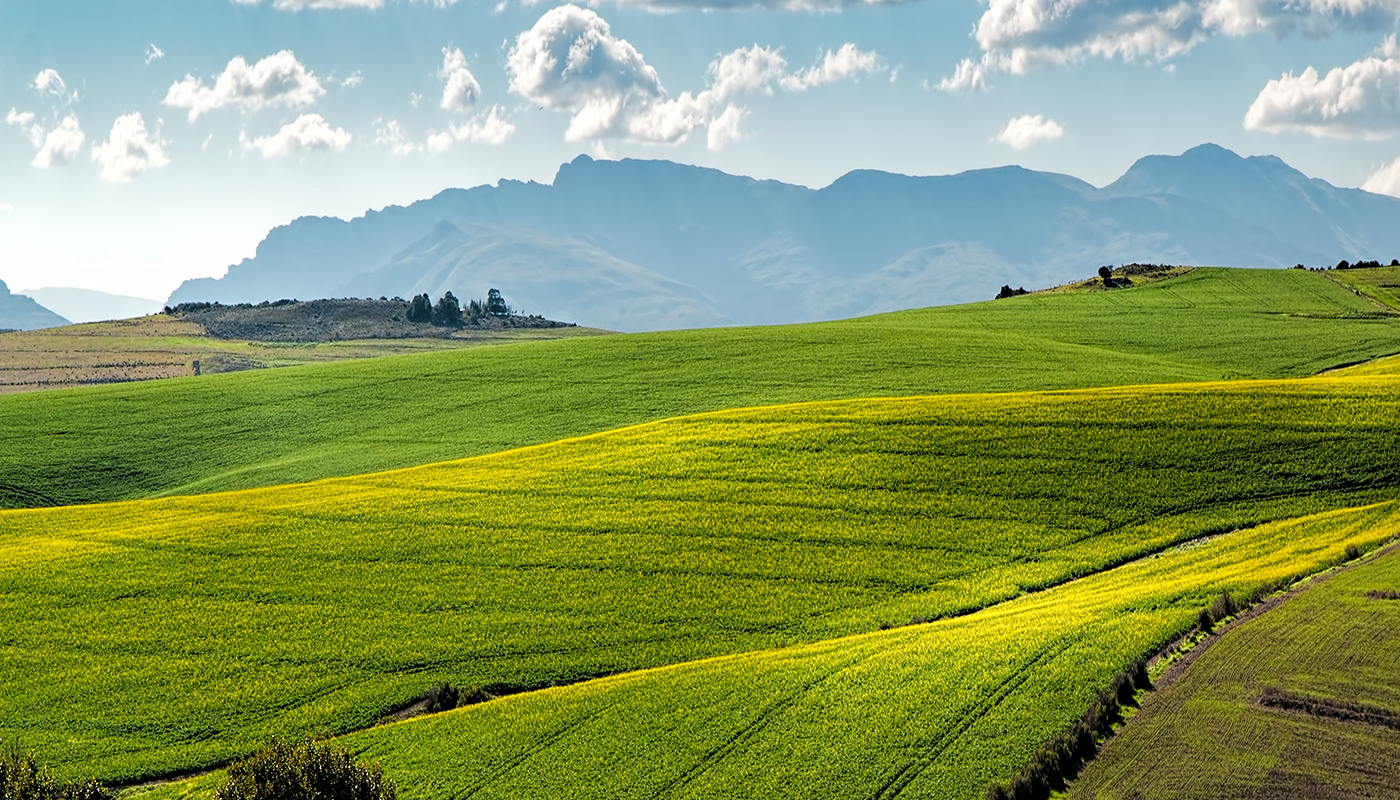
149,142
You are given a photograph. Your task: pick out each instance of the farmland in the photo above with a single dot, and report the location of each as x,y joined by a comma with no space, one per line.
1215,733
159,346
210,622
926,711
221,432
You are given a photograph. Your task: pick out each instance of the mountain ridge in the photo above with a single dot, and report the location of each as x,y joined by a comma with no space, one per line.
685,246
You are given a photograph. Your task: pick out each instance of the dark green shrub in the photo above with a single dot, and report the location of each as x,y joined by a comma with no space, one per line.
22,778
420,309
1204,621
304,771
1141,679
1224,606
443,697
1353,552
998,792
496,304
447,313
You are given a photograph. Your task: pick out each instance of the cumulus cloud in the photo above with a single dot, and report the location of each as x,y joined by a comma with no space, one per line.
57,146
1026,130
49,82
725,128
1386,180
1018,35
354,79
461,91
847,63
307,133
316,5
130,150
154,53
570,61
278,80
491,129
1361,100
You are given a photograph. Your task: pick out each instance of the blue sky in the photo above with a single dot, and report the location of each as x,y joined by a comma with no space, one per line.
149,142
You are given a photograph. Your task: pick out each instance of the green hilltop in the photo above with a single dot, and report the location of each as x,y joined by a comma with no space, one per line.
264,428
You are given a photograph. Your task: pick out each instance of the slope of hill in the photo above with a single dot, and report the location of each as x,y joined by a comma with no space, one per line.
88,305
18,312
323,606
301,423
677,246
1301,702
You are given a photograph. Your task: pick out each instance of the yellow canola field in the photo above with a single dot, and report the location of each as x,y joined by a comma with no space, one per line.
147,637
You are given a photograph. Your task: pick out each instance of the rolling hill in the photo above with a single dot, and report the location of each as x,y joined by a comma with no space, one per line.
301,423
155,636
658,245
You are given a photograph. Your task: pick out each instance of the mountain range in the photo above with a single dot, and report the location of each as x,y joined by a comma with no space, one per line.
90,305
18,312
644,245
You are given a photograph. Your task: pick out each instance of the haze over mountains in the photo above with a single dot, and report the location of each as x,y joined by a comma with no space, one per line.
18,312
647,245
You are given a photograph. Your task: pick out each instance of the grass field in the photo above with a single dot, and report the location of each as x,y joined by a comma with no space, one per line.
926,711
158,346
1381,285
270,427
160,635
1212,736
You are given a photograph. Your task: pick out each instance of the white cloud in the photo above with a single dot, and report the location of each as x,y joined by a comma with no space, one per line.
57,146
6,207
847,63
414,99
50,83
1018,35
390,134
61,145
725,128
278,80
130,150
1026,130
307,133
1361,100
462,91
154,53
1386,180
354,79
491,129
571,62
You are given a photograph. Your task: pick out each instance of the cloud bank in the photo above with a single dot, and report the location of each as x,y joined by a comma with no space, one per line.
1358,101
278,80
570,61
1018,35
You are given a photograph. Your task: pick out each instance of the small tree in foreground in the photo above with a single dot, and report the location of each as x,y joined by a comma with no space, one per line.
420,308
22,778
447,313
304,771
495,304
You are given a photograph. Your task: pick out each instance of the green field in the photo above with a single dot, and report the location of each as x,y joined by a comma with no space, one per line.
1209,736
161,635
222,432
926,711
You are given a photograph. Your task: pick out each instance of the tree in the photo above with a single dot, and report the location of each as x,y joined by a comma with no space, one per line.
495,304
420,309
1106,273
447,313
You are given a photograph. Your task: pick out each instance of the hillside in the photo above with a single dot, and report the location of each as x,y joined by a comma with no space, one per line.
1301,702
302,423
323,606
18,312
651,245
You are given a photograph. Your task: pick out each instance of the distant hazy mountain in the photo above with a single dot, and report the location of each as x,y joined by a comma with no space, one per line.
641,245
89,305
23,313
